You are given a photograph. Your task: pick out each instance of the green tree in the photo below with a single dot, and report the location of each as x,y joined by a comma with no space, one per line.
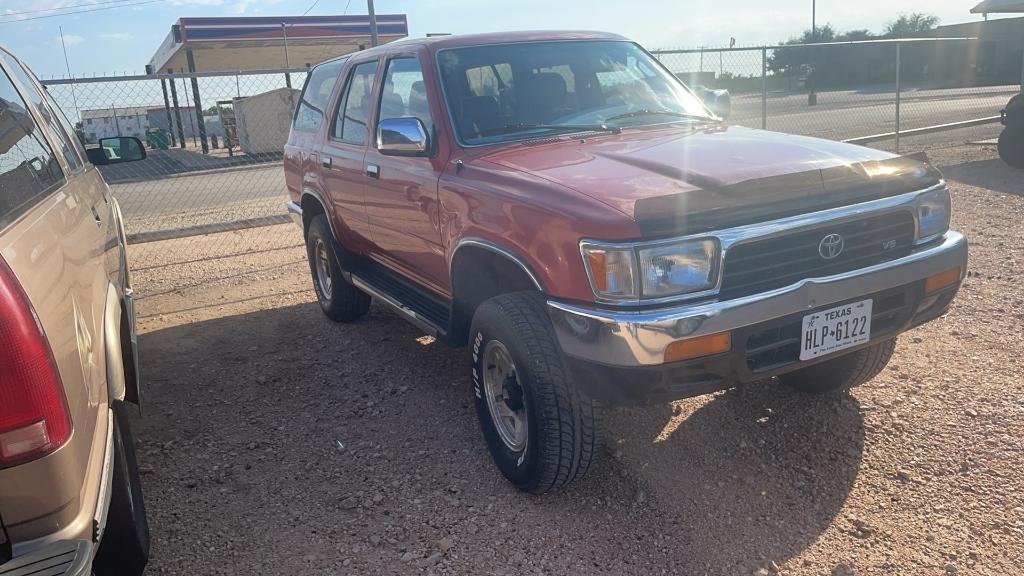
911,25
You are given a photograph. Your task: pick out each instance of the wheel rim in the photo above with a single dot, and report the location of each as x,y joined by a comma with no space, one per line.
504,395
323,268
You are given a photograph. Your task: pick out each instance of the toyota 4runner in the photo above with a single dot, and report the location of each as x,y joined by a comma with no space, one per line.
564,206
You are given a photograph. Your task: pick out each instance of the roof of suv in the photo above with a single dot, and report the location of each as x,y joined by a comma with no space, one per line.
460,40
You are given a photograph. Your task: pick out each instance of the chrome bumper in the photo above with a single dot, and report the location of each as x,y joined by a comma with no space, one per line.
639,338
295,211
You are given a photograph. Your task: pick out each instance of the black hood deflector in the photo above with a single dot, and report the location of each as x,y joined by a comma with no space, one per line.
763,199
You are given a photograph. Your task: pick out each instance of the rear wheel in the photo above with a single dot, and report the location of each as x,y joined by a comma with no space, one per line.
541,431
340,301
1011,145
124,549
842,373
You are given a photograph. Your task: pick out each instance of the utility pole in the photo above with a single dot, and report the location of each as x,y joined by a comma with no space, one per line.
373,23
287,63
812,96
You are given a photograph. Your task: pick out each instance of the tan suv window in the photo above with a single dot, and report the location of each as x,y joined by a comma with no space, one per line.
28,168
31,88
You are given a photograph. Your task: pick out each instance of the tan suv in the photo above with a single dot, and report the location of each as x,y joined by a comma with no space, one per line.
70,498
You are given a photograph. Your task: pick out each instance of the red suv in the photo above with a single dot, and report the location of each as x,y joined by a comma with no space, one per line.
567,208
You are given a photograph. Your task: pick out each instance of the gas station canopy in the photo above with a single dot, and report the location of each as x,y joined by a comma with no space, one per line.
232,44
999,7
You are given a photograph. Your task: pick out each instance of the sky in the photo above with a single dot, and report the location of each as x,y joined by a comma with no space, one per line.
121,40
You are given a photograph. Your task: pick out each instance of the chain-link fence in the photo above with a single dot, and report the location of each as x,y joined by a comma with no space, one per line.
214,140
214,147
901,95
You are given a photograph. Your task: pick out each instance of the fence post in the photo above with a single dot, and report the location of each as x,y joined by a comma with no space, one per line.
177,109
198,102
167,108
898,97
764,88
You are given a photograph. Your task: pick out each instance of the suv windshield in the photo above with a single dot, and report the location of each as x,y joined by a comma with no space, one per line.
513,91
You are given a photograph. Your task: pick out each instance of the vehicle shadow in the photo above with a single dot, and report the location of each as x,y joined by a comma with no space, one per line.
282,443
992,174
749,477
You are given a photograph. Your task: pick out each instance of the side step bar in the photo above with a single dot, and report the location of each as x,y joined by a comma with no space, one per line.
63,558
429,325
426,311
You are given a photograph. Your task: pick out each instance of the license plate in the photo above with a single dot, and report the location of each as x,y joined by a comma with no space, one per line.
835,329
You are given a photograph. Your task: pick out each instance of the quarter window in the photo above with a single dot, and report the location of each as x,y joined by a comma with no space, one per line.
319,85
28,168
354,113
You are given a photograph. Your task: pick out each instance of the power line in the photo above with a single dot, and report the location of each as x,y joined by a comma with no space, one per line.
315,2
68,7
81,11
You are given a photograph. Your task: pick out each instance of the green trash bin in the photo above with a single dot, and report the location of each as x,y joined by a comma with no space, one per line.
158,139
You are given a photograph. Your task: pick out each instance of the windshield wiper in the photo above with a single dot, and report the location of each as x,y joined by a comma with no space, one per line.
651,112
513,128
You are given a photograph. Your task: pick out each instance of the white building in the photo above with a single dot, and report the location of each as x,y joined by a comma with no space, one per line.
109,122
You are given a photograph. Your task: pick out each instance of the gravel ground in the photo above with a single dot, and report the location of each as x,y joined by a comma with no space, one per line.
276,442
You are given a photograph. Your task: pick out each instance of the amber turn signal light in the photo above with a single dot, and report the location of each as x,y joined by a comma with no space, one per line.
697,347
941,280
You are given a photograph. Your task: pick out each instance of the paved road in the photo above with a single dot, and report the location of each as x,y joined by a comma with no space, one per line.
259,191
199,192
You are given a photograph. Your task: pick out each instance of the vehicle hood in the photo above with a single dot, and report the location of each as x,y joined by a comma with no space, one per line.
677,180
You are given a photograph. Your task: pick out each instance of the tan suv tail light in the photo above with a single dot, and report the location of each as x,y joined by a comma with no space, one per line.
34,419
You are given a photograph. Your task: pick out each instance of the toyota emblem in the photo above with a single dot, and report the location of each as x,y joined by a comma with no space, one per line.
830,246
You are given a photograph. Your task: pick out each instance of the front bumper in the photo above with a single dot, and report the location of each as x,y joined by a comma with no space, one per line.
63,558
620,355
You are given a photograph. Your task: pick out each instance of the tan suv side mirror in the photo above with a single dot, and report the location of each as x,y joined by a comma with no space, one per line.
117,150
403,137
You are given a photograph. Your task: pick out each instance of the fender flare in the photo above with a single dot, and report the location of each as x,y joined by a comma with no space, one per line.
320,200
497,249
120,386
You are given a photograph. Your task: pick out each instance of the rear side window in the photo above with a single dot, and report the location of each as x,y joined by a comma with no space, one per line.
28,168
310,113
351,124
404,93
34,93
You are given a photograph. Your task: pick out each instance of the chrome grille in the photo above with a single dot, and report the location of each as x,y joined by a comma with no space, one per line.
762,265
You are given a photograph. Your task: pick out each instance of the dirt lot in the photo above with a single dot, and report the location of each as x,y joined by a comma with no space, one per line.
276,442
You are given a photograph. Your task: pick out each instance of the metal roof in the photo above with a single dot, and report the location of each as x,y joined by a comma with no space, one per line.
248,43
999,7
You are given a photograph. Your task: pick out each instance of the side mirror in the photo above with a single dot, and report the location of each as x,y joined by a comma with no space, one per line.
718,101
117,150
402,137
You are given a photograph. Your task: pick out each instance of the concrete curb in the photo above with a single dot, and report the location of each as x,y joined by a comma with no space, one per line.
203,229
211,171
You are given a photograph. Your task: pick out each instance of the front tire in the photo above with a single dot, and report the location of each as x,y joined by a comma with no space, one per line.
340,301
842,373
540,429
124,549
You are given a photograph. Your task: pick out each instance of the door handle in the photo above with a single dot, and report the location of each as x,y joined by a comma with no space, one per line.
373,171
326,162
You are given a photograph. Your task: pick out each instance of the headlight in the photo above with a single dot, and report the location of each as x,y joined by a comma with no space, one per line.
932,214
680,268
646,272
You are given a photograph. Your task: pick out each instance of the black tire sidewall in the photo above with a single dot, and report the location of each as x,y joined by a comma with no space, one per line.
1011,145
124,548
518,466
